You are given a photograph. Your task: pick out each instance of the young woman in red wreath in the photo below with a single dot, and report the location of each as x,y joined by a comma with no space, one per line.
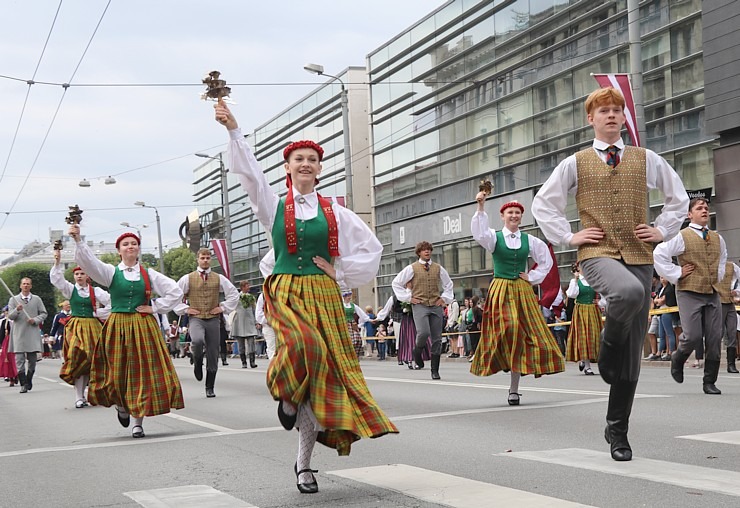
514,335
131,367
83,329
315,374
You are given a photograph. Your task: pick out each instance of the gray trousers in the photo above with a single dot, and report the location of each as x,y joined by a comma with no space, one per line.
205,332
627,291
20,362
729,321
429,321
249,348
701,316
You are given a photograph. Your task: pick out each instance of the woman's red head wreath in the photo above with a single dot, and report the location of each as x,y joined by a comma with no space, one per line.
295,145
515,204
127,235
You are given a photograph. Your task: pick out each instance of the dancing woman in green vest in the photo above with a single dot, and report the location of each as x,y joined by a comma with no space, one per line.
319,246
584,335
514,335
131,367
81,333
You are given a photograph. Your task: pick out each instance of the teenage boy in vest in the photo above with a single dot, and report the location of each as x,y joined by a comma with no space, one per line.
202,288
702,259
427,300
610,182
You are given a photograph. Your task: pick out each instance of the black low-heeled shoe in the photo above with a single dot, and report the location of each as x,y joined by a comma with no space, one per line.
287,421
513,398
306,488
123,418
137,434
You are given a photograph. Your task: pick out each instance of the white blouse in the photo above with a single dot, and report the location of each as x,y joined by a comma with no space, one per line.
56,276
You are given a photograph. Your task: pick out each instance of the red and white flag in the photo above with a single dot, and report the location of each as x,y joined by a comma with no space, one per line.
550,286
219,248
622,83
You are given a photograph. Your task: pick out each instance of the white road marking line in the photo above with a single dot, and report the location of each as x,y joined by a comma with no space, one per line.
55,381
187,496
686,476
200,423
731,437
446,489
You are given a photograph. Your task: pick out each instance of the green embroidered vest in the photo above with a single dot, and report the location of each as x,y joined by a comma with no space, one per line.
586,294
313,240
81,307
509,263
126,295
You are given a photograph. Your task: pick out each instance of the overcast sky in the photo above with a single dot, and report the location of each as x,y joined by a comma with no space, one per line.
115,130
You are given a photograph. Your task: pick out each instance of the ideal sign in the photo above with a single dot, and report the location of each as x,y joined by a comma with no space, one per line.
452,224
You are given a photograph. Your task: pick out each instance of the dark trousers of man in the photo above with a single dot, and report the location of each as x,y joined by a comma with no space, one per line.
205,332
429,321
729,324
627,291
701,316
25,377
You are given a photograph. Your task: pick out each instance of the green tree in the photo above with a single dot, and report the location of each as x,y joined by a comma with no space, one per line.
42,286
150,261
178,262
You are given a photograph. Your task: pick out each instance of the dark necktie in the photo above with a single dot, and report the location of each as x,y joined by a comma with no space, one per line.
25,299
612,156
426,265
705,233
204,276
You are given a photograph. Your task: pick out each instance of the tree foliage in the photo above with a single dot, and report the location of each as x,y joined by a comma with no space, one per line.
149,260
178,262
42,286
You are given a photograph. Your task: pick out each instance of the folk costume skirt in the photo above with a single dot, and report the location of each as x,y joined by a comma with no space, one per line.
7,361
407,340
356,338
514,334
132,369
80,336
584,336
315,362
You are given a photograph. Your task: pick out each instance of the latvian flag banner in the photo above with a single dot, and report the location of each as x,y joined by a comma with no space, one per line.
622,83
219,248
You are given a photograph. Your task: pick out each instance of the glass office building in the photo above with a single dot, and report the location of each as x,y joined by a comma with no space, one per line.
495,90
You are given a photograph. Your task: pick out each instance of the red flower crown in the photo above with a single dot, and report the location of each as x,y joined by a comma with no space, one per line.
127,235
295,145
515,204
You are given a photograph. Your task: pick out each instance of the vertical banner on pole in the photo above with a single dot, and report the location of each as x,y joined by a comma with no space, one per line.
219,248
621,82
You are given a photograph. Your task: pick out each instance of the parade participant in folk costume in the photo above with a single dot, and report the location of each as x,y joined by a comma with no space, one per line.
405,331
56,334
356,318
702,259
727,296
202,287
8,370
315,374
514,335
430,293
584,334
81,333
611,182
131,368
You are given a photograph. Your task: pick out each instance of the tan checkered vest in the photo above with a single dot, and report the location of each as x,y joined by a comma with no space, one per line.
426,284
203,295
704,255
725,286
615,200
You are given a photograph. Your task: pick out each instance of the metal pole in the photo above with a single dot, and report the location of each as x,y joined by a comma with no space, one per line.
227,215
635,44
347,147
159,239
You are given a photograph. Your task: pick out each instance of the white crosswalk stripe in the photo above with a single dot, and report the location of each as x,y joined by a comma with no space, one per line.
672,473
446,489
732,437
186,496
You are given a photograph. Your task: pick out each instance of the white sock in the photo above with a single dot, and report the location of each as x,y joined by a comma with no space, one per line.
138,422
514,387
306,441
79,388
288,408
86,379
586,364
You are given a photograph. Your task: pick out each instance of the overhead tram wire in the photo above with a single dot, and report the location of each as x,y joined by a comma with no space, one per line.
65,86
28,90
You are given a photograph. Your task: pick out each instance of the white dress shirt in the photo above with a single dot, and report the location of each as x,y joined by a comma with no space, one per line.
102,273
404,276
538,250
359,249
231,294
550,202
386,310
664,252
56,276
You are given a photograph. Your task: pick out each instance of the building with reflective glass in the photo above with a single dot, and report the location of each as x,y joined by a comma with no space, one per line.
495,90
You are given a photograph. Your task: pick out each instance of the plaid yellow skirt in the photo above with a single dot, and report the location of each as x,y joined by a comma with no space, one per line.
131,368
514,334
584,336
80,336
315,361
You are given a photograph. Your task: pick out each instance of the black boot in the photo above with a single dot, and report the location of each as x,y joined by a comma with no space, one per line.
621,395
435,367
198,366
29,380
731,355
210,381
252,363
223,359
22,382
678,359
711,371
417,358
613,337
243,357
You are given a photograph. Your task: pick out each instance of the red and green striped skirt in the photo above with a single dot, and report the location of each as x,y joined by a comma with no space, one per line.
131,368
584,336
514,334
315,361
80,336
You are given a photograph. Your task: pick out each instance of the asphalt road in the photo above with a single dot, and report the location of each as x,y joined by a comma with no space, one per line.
460,444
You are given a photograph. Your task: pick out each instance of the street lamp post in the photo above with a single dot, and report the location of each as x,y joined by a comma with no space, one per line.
319,69
225,207
138,231
159,233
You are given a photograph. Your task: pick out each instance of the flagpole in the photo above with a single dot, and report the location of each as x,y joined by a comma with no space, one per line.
635,44
12,296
